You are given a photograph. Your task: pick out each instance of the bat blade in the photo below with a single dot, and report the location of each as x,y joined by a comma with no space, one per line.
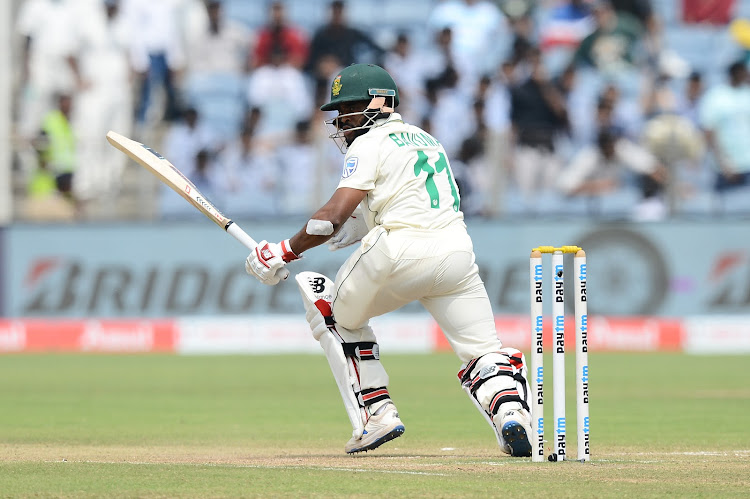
168,174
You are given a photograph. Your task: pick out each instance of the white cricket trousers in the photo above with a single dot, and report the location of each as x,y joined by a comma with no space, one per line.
393,268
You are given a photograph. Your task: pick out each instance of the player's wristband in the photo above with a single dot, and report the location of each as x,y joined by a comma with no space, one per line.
287,254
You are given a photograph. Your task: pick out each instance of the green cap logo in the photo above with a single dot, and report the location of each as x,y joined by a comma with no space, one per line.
336,87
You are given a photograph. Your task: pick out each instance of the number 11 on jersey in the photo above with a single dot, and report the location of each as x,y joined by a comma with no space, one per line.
442,164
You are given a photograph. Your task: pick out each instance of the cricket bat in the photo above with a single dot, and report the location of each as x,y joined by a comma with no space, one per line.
170,175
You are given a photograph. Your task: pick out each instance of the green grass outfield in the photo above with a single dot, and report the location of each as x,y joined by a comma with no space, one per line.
274,426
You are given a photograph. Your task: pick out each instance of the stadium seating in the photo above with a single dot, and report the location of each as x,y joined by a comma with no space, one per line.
219,100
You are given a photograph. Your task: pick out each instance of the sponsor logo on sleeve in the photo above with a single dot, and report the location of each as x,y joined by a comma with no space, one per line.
350,167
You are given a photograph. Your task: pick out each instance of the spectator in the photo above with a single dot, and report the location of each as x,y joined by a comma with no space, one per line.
604,170
249,177
612,46
437,62
660,92
523,45
643,12
565,81
297,162
566,24
48,35
480,36
659,97
497,99
279,98
481,130
443,95
652,206
538,115
439,54
52,181
496,117
104,101
327,157
689,102
185,138
679,146
407,69
221,46
205,177
338,44
449,102
626,114
472,175
279,34
673,138
725,118
611,111
218,48
157,54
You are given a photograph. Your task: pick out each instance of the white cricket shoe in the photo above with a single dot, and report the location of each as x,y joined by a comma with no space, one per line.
384,425
515,429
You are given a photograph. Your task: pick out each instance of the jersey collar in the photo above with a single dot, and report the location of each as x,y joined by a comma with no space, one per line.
391,118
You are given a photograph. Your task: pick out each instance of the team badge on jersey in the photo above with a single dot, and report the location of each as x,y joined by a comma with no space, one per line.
350,167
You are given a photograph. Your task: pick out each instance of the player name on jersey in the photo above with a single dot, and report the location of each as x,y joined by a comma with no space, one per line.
414,139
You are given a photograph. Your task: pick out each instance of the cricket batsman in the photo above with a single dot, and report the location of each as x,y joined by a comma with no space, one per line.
398,198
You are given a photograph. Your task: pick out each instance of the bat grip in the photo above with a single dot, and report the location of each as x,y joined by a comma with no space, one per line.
236,232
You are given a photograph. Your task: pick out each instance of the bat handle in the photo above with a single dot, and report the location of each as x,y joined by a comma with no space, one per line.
236,232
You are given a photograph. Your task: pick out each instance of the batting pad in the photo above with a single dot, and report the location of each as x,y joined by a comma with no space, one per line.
317,293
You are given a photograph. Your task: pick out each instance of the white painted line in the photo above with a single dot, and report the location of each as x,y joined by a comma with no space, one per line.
258,466
735,453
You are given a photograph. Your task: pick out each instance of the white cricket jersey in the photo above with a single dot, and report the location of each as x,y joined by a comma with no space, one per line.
407,175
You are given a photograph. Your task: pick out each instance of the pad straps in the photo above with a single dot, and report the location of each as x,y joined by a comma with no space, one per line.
366,350
511,368
503,396
362,350
369,396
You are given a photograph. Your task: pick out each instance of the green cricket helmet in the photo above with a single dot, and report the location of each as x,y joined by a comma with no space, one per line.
361,82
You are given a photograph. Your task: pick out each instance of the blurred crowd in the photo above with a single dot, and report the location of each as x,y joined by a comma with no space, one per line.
555,108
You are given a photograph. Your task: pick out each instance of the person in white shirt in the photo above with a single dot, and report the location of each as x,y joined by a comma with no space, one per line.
609,170
597,170
157,51
218,45
414,246
481,36
279,97
48,40
190,145
186,137
408,68
297,163
249,177
104,101
724,115
449,100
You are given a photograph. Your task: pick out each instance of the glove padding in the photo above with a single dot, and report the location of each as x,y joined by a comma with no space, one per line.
267,259
353,230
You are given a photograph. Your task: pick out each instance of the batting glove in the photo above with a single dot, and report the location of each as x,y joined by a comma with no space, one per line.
353,230
267,259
